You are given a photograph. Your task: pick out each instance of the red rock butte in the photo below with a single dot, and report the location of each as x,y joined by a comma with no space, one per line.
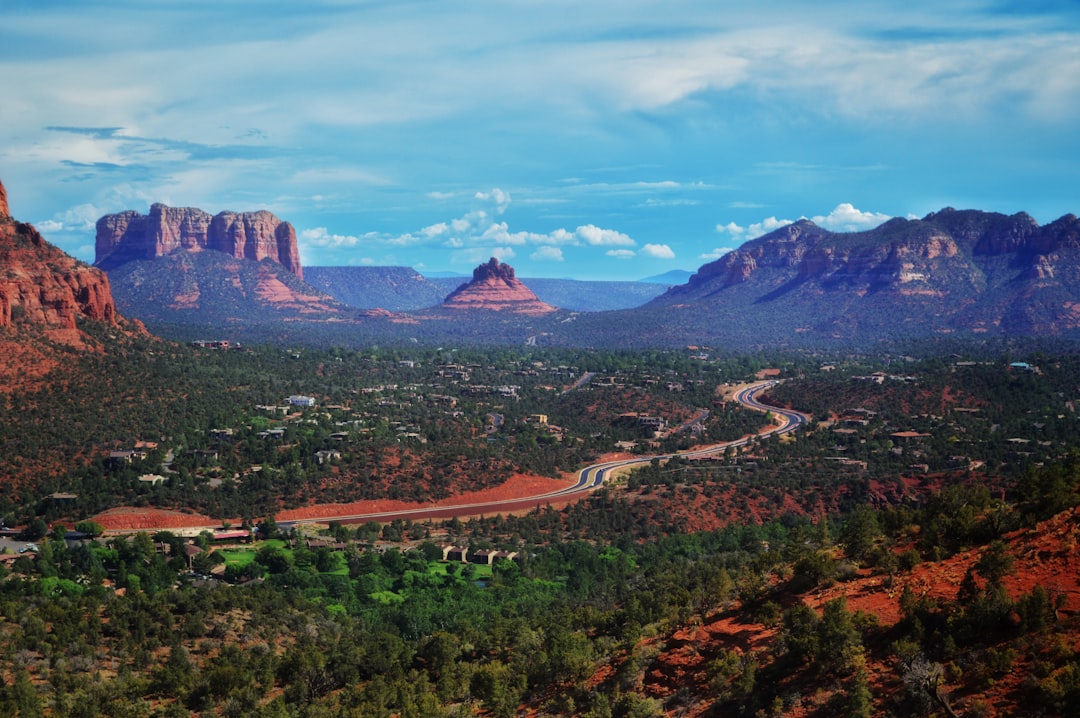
494,287
44,286
130,236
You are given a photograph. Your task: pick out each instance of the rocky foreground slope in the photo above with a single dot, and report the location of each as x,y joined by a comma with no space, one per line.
43,286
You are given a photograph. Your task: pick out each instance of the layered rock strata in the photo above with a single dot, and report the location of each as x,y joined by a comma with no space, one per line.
130,236
495,287
42,285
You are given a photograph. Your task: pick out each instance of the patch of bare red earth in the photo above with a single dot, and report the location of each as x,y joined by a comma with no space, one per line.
518,488
1046,556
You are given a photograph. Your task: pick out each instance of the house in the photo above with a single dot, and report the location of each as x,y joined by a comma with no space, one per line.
118,458
536,419
490,556
321,457
232,535
905,435
301,400
152,479
456,553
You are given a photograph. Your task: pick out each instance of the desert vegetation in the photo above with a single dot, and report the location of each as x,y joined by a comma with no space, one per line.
910,551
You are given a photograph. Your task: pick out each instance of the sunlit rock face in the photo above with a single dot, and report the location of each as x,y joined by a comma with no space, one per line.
129,236
494,287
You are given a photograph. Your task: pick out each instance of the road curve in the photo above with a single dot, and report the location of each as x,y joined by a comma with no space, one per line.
590,478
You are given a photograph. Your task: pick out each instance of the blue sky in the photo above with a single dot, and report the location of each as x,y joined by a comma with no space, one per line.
598,140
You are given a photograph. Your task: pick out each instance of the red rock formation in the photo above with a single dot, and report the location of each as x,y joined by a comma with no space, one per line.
494,287
128,236
42,285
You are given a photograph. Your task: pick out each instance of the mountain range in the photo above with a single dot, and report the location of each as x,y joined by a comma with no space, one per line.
960,273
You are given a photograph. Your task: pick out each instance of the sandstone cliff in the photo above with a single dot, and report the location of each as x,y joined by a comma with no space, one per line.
953,270
129,236
43,286
495,287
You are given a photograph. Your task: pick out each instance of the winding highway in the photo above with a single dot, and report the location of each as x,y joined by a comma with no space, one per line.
589,478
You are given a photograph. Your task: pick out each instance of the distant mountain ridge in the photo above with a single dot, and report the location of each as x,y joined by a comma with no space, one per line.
396,289
580,295
952,271
403,289
671,278
962,273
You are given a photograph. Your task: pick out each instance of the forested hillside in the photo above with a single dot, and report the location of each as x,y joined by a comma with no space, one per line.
908,551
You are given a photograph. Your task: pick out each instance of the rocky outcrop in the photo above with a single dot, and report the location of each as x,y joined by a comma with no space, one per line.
130,236
42,286
495,287
208,287
951,271
944,246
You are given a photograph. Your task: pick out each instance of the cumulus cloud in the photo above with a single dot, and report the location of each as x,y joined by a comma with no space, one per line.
620,253
754,230
598,237
498,197
716,253
658,251
478,228
481,233
845,217
321,237
81,218
476,255
548,254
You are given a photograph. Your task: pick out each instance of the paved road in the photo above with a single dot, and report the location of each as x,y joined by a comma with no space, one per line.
589,478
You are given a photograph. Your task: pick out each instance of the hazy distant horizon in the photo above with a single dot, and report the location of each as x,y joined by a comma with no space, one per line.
603,140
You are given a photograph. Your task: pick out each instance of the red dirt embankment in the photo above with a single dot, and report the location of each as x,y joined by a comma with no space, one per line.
518,486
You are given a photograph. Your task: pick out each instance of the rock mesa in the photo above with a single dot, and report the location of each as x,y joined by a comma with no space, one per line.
130,236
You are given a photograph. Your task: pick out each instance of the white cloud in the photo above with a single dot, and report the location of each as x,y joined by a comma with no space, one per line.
621,253
603,237
82,218
547,254
845,217
500,199
476,255
754,230
716,253
321,237
658,251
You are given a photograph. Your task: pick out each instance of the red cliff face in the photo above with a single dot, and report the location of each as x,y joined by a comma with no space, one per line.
128,236
42,285
494,287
